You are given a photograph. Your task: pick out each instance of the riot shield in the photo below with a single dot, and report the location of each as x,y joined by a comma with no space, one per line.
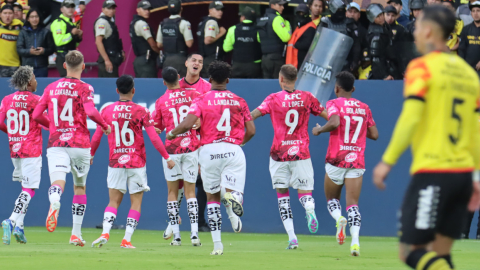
324,60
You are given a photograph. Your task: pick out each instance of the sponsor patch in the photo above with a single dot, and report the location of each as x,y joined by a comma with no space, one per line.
66,136
185,142
124,159
351,157
293,150
16,147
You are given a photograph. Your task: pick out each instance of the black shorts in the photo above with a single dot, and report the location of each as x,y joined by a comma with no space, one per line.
435,203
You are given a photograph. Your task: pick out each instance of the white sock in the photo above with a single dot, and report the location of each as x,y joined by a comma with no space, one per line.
20,205
132,222
307,201
192,207
355,221
20,218
54,194
215,222
172,209
108,219
287,216
334,208
79,205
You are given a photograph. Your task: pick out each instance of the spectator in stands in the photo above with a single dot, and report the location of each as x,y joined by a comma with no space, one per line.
317,7
463,12
353,12
211,36
108,42
398,5
433,2
379,38
454,38
340,23
302,37
35,44
274,32
65,35
56,9
144,46
399,36
17,11
398,31
9,31
469,48
175,37
242,39
416,7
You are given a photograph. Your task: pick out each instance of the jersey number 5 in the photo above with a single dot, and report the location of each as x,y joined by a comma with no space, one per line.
456,101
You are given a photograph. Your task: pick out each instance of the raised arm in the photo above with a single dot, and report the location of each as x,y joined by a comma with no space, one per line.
96,117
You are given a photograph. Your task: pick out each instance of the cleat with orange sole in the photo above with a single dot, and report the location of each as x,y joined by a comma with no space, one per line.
102,240
126,244
341,225
52,217
77,241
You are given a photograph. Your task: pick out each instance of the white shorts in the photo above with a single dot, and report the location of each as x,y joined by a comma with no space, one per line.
186,167
134,179
222,164
297,174
28,171
338,175
66,160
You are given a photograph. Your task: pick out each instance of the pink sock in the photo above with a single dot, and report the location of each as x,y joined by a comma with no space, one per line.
80,199
134,214
281,195
112,210
300,195
30,191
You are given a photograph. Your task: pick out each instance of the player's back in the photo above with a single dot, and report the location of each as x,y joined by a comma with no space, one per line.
126,143
171,109
223,115
450,89
24,134
68,119
201,86
347,143
290,112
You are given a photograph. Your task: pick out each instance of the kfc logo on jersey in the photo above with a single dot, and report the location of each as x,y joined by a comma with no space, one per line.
20,97
68,85
124,159
177,94
122,108
293,150
185,142
223,95
16,147
351,157
293,96
66,136
350,103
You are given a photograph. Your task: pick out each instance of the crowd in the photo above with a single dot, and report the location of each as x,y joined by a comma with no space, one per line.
259,44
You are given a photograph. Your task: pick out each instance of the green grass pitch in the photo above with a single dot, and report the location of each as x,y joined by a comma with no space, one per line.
243,251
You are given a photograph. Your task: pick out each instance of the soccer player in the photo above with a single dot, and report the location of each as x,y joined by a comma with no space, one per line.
350,122
69,101
439,120
193,81
224,117
25,139
127,158
290,163
170,110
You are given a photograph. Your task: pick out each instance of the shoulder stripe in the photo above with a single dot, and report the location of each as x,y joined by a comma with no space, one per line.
416,98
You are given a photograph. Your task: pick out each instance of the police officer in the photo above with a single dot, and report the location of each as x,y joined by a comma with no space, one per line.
66,35
416,7
175,37
242,39
144,46
347,26
274,32
210,36
398,40
108,42
379,37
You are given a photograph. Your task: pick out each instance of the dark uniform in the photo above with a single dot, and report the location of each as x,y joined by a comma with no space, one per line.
210,52
273,46
379,38
145,63
247,54
106,27
413,4
469,48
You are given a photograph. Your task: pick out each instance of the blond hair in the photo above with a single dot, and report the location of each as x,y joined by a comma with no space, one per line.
74,60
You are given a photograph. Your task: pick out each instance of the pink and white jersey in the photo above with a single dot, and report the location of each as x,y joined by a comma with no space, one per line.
346,148
126,144
170,110
223,115
201,86
65,100
24,134
290,113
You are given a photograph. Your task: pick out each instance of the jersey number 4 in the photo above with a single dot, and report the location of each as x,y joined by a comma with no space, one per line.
224,122
67,112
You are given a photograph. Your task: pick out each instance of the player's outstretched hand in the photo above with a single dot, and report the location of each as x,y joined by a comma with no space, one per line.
107,131
316,130
474,204
380,174
158,130
171,164
197,124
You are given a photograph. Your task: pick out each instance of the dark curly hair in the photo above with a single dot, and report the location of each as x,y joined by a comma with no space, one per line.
219,71
345,80
310,3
